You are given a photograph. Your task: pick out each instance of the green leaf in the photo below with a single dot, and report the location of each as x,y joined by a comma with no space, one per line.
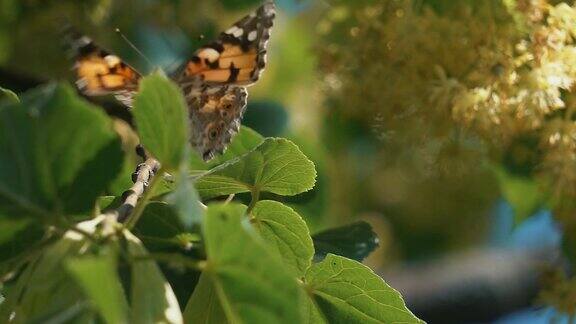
204,306
10,95
523,193
286,233
245,141
185,200
98,277
252,285
19,239
312,313
59,285
349,292
276,166
162,121
10,228
355,241
159,226
45,291
213,185
152,298
57,154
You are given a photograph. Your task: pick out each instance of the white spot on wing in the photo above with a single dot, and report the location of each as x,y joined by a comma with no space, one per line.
238,32
210,54
84,40
112,60
235,31
231,30
252,36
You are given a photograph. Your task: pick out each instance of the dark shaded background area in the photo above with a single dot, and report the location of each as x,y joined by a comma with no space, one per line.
448,239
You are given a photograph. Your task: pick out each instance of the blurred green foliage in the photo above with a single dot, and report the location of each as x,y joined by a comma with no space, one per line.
255,260
386,97
398,178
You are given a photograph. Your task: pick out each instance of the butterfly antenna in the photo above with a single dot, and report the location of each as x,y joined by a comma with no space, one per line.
134,47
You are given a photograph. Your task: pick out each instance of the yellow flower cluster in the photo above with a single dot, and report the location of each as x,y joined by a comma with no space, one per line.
498,71
436,81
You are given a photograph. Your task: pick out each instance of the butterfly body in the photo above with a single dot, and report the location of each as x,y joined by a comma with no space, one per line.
213,81
215,116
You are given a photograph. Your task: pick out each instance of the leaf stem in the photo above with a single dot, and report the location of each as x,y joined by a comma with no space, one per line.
255,198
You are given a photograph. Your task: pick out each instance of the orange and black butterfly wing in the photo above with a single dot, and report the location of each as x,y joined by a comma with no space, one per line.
99,72
238,56
215,79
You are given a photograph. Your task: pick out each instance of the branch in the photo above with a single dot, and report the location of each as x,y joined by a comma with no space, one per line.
142,177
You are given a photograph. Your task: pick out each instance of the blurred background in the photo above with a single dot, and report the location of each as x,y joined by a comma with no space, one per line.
447,125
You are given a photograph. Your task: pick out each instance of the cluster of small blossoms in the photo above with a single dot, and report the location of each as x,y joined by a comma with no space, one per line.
557,51
442,81
523,76
531,90
498,71
399,69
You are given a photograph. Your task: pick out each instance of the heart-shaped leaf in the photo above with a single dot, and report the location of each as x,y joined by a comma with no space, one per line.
277,166
286,233
349,292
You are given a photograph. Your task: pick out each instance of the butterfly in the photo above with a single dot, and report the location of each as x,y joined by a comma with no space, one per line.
213,80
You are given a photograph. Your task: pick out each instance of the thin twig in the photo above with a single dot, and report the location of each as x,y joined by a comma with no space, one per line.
144,174
132,219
